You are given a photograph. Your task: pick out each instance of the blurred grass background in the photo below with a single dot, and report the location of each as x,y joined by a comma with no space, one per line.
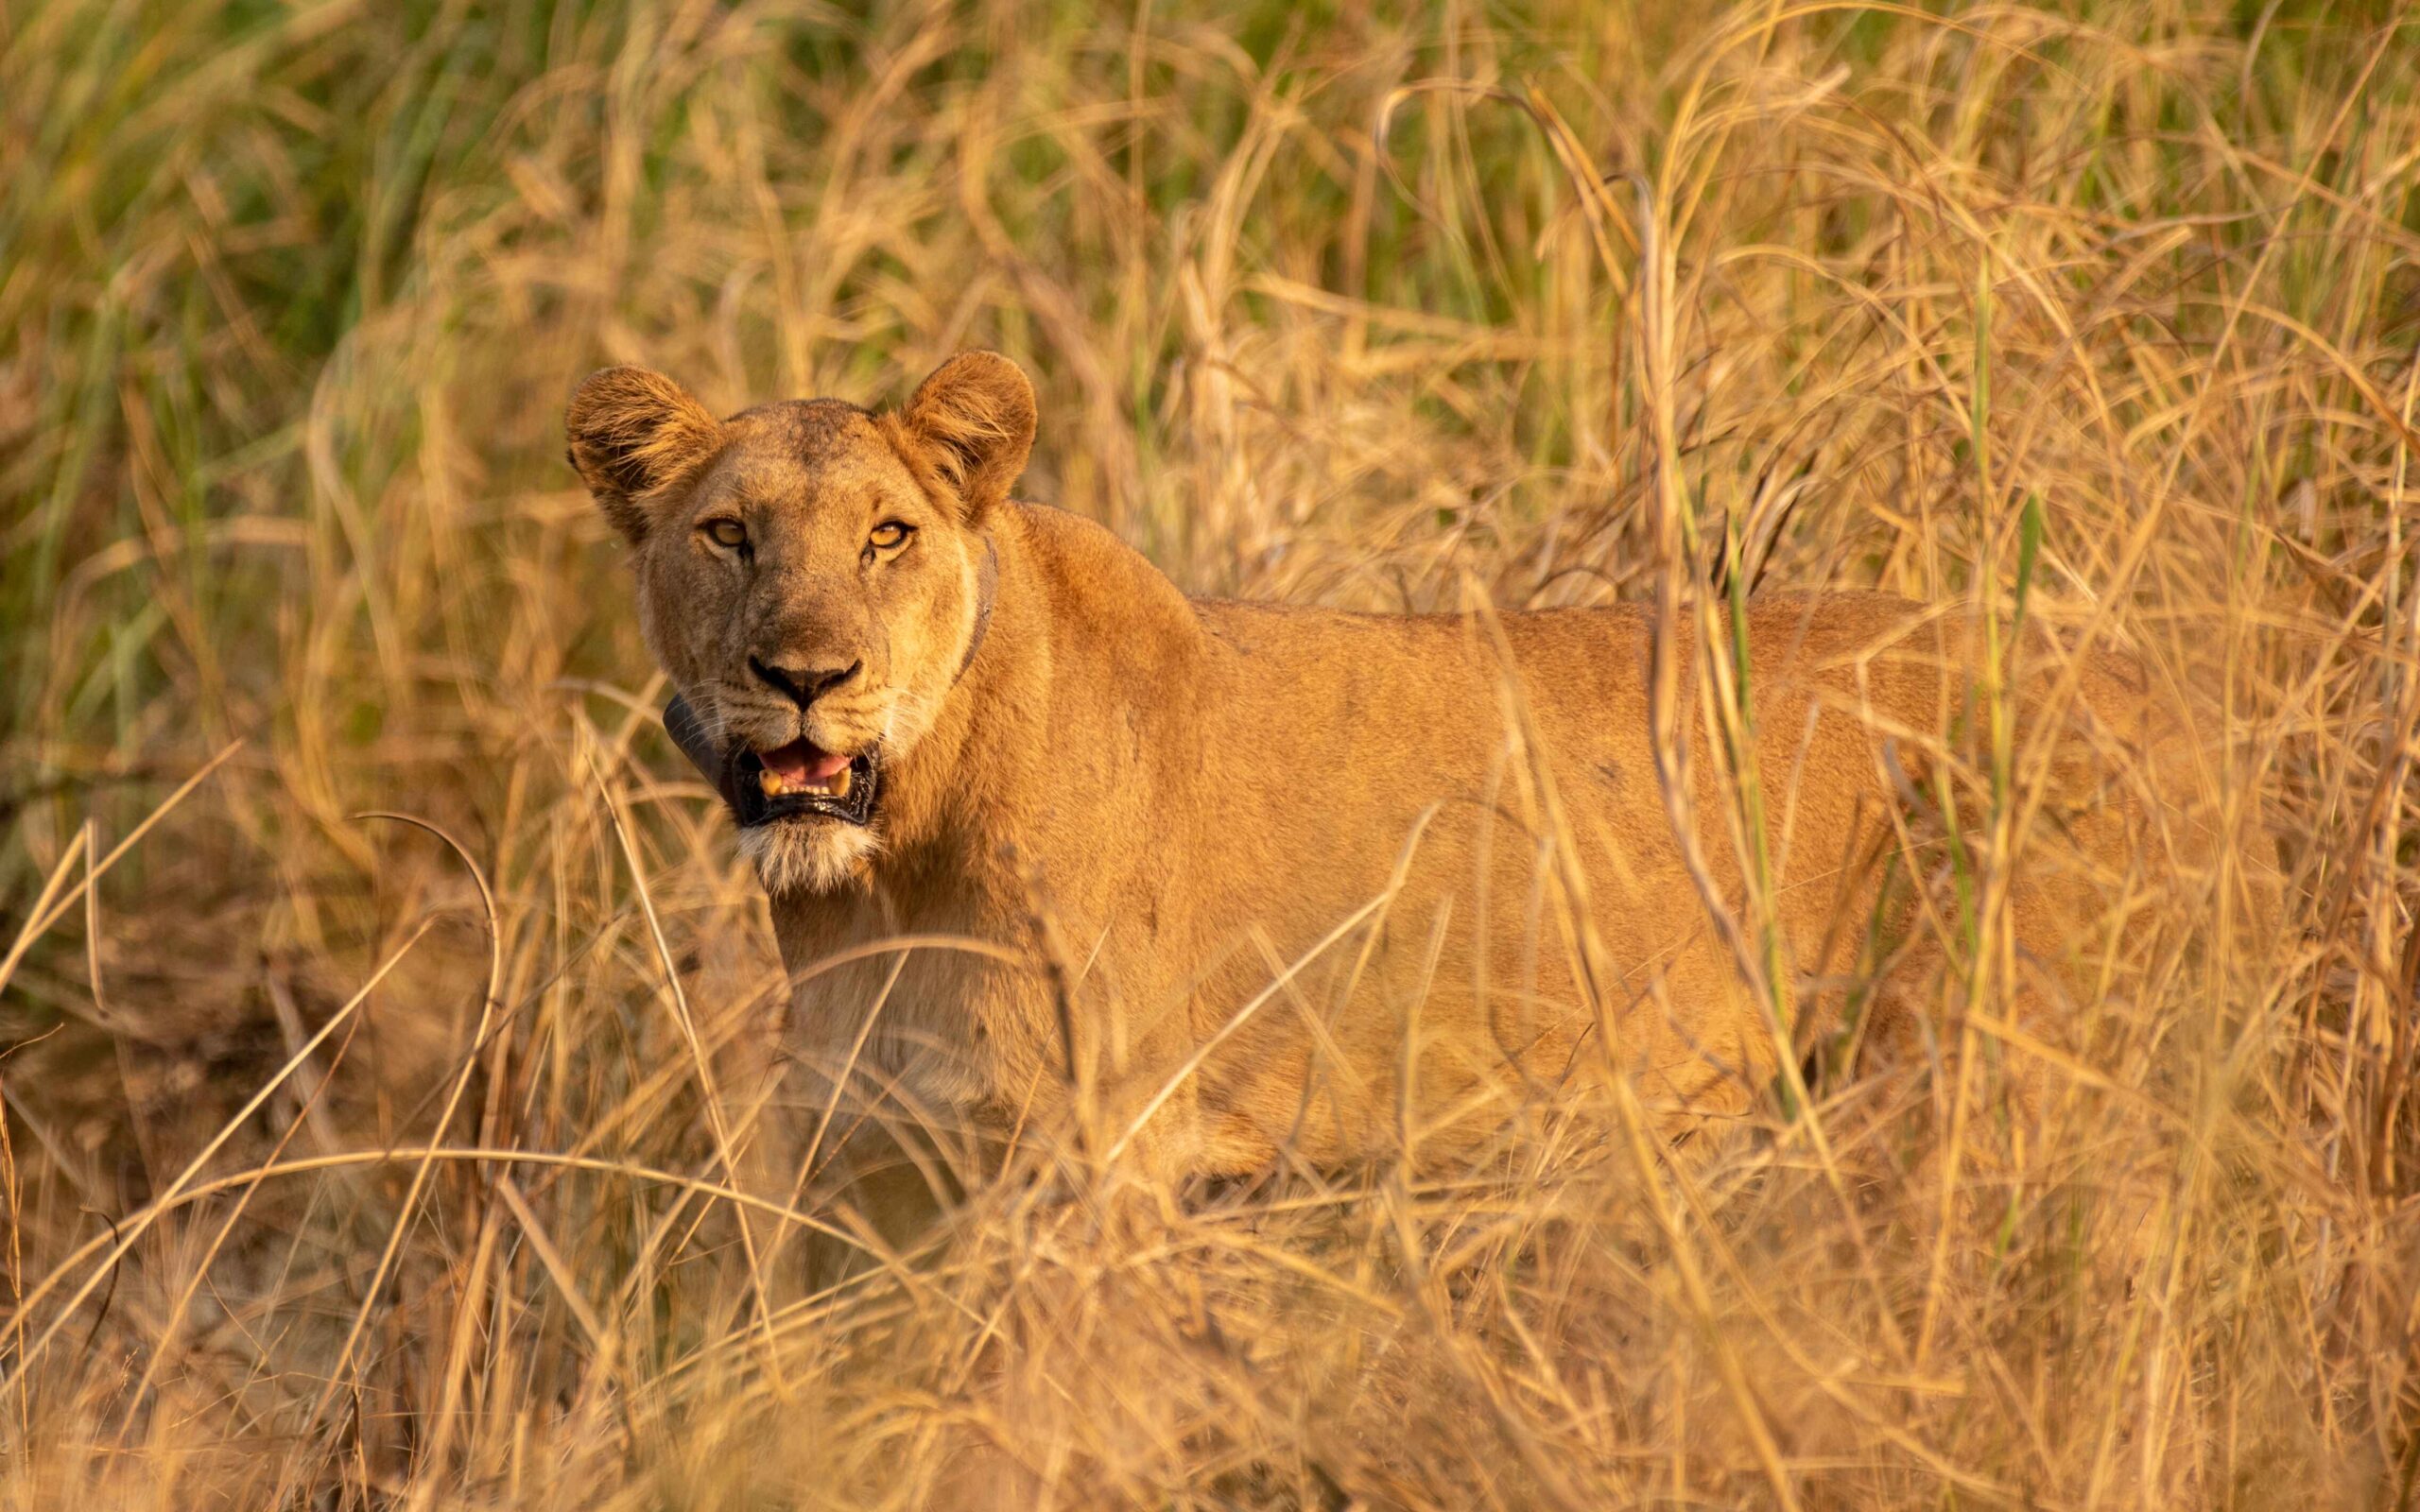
1333,302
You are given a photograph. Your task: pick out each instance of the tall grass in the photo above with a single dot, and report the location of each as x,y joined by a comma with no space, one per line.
353,1162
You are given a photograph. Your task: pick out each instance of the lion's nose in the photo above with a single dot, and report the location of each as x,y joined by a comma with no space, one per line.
803,686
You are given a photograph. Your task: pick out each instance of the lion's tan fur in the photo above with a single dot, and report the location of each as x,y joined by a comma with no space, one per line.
1285,878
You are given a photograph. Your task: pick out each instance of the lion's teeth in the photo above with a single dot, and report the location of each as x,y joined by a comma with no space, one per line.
774,784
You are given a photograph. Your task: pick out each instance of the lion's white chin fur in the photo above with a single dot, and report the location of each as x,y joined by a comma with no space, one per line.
806,856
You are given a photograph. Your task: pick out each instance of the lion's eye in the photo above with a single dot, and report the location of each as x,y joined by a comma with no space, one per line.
887,534
730,534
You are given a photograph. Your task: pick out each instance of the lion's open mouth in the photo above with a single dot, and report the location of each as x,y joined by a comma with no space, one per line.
800,779
793,781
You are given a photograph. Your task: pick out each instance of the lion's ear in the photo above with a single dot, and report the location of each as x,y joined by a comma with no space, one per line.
633,432
974,420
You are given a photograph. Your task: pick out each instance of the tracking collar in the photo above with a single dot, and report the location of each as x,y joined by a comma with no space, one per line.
987,588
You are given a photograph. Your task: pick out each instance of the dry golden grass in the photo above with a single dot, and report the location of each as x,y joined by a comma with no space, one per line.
356,1162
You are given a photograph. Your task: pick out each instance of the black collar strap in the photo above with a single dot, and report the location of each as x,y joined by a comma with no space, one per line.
987,588
713,762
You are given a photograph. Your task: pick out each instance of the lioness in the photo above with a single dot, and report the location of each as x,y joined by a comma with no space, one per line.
1251,878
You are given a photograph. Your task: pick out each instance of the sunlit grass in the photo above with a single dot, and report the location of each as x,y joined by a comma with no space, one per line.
2109,312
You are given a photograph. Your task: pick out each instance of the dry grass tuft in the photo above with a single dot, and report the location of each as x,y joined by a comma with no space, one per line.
2114,306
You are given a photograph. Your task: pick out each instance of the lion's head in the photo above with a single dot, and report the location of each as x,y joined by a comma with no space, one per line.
813,577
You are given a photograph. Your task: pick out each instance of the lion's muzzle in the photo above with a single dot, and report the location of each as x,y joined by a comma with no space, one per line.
797,781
